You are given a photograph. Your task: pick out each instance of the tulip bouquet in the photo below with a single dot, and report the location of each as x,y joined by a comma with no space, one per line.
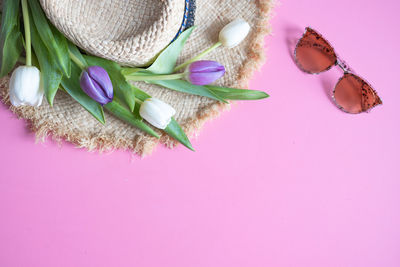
96,83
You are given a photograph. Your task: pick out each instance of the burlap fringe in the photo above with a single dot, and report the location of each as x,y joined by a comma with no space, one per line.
145,145
142,145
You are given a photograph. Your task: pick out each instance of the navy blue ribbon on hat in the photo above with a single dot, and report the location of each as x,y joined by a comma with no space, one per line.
188,17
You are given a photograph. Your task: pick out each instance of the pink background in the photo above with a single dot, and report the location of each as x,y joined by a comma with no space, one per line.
289,181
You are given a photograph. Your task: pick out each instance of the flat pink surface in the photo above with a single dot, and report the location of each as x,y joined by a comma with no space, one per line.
288,181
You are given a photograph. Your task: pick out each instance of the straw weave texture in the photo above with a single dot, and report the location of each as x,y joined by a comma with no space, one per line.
130,32
67,120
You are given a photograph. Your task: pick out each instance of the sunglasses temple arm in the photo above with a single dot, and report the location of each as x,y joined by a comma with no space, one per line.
343,65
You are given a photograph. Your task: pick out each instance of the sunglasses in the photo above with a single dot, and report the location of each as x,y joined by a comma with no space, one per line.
313,54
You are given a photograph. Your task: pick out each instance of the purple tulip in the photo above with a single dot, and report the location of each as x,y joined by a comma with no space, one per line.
96,83
204,72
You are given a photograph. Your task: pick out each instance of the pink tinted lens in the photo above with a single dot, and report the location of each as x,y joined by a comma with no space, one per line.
354,95
313,53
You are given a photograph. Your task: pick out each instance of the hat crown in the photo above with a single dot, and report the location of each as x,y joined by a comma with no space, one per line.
130,32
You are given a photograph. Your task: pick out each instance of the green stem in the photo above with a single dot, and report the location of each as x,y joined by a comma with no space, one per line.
155,77
75,59
25,14
199,56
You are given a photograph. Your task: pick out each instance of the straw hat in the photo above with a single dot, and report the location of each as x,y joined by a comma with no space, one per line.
133,32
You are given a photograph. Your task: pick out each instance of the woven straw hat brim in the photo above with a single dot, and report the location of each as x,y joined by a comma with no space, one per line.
67,120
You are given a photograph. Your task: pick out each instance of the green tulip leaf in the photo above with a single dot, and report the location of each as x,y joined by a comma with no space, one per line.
175,131
141,95
51,75
11,43
166,61
124,114
75,53
122,89
73,88
129,71
55,41
187,87
237,94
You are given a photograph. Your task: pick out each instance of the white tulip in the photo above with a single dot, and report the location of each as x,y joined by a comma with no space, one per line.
156,112
234,33
26,87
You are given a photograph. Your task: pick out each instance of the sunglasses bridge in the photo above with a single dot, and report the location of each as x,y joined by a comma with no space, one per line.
343,65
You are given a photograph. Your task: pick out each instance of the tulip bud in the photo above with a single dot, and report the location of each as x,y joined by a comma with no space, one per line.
26,87
233,33
96,83
204,72
156,112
